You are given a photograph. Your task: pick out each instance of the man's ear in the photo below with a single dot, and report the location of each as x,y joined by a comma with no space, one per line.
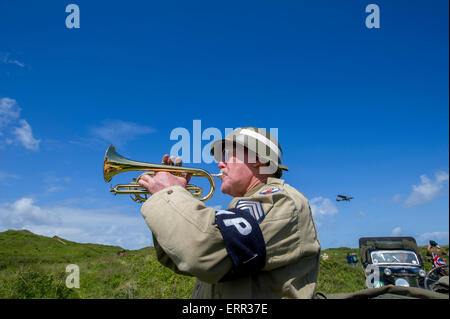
259,164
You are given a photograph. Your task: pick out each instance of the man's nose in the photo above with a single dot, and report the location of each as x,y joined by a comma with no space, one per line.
221,165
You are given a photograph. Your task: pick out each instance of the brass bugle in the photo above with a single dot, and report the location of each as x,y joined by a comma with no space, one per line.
114,164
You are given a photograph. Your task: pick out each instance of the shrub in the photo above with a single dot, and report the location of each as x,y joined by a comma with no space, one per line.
27,283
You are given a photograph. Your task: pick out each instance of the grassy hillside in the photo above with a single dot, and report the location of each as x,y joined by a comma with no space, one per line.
336,276
33,266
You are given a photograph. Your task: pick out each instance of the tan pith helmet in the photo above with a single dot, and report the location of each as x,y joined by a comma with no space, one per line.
257,140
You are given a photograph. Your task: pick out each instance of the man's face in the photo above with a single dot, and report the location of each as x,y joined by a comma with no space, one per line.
236,170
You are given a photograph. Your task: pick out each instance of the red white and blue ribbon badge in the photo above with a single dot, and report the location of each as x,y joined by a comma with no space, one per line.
270,191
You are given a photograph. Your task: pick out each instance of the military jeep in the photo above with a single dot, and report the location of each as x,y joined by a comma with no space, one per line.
394,261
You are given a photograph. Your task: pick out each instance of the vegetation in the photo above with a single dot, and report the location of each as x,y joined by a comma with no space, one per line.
336,276
33,266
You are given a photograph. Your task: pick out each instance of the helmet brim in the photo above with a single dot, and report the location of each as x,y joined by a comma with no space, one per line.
220,144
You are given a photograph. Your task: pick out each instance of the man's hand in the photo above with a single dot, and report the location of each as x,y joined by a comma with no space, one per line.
163,180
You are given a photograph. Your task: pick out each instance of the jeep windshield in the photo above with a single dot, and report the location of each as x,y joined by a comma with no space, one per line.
394,257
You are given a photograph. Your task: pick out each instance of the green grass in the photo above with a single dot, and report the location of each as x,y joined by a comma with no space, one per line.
33,266
336,276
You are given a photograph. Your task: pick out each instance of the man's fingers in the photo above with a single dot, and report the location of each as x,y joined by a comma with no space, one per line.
145,181
146,177
171,160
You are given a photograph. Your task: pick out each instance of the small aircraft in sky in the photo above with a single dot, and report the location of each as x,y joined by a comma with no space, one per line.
342,197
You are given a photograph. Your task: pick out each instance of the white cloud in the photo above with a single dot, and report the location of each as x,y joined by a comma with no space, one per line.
103,226
115,132
5,58
52,184
396,231
322,207
25,136
5,177
9,111
441,238
442,177
52,189
396,198
16,62
119,132
13,129
427,190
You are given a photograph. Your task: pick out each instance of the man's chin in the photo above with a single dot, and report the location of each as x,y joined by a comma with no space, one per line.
224,189
229,191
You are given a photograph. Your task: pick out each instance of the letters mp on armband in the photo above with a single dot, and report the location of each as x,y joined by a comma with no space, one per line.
243,240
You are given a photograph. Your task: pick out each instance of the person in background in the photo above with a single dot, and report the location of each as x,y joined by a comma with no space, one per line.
435,255
354,260
349,259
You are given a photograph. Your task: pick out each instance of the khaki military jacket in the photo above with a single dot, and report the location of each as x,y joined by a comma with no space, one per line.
188,241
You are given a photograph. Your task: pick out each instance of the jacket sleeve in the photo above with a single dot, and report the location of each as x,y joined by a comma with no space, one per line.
185,235
165,260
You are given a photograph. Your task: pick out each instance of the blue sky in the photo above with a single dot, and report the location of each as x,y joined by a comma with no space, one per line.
359,111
